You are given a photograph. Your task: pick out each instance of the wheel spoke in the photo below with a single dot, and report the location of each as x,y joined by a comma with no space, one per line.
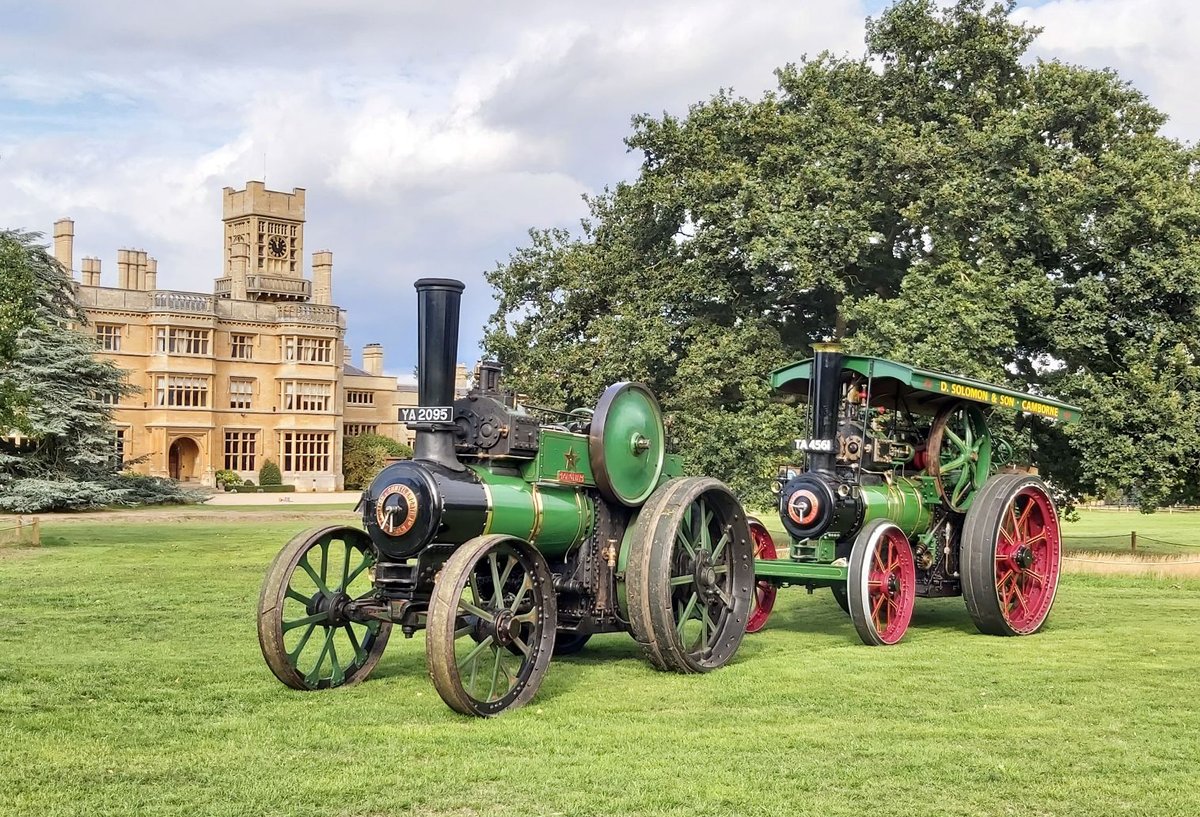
345,567
475,653
312,574
360,654
354,574
707,627
683,540
497,588
522,646
725,598
677,581
705,519
508,569
338,675
463,604
294,655
526,586
687,613
298,596
315,674
719,547
300,622
495,676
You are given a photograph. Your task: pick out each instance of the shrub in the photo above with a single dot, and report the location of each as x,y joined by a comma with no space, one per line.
226,478
364,455
248,482
269,474
47,495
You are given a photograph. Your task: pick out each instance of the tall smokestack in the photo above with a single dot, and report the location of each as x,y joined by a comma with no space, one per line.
825,394
64,243
438,301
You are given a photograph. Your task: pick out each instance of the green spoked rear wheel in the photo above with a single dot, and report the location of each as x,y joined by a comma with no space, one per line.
959,454
307,634
690,575
490,631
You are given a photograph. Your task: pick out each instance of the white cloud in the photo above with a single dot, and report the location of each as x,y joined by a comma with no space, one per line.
1151,43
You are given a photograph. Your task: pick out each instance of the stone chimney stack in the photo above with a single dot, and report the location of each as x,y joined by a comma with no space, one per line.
322,264
90,269
123,269
138,269
64,244
347,357
151,274
373,359
239,260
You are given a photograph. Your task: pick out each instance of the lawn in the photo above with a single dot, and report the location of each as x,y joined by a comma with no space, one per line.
132,684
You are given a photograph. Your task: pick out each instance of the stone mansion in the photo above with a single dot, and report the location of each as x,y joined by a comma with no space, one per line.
256,370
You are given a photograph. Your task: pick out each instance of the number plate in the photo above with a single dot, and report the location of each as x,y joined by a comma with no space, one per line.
814,445
410,415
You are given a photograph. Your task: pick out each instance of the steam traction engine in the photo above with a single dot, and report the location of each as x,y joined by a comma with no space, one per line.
510,537
901,495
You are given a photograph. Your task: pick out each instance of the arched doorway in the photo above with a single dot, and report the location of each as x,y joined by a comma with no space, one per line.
182,458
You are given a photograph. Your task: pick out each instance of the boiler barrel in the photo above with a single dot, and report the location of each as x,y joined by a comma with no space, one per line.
414,504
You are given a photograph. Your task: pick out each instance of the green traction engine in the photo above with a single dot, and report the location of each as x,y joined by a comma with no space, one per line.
903,493
512,535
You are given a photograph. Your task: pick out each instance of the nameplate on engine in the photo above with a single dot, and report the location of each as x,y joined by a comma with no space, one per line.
815,445
410,415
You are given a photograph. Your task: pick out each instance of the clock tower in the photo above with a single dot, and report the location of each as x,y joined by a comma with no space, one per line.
264,245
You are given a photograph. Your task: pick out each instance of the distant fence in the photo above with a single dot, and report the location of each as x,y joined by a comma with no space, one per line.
20,531
1132,541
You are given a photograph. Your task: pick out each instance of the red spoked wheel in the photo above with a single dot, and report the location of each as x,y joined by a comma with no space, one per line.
882,583
1011,555
763,600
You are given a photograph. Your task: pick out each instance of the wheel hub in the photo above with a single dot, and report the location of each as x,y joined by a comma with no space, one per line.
1023,557
506,628
334,605
893,584
703,572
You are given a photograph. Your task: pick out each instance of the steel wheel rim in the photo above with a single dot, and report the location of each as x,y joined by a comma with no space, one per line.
762,601
1027,561
890,585
322,646
499,628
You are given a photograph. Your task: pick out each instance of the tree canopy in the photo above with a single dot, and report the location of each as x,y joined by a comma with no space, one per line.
940,200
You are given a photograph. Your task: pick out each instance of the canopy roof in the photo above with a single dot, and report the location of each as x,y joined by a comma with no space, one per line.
921,391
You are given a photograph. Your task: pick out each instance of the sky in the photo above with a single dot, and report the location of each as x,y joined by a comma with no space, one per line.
430,137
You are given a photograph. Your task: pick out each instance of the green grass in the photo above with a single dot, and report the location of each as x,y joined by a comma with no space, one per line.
131,683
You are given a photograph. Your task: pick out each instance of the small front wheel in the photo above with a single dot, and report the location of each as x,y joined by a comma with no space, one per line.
307,636
882,585
490,631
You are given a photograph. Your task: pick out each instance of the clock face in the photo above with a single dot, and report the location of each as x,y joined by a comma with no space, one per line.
277,246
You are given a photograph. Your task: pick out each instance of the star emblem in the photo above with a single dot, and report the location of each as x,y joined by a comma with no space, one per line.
571,459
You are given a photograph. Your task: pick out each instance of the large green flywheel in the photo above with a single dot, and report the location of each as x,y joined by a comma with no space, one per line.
306,629
627,443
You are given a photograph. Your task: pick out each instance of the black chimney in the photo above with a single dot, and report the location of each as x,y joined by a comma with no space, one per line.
437,355
825,392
